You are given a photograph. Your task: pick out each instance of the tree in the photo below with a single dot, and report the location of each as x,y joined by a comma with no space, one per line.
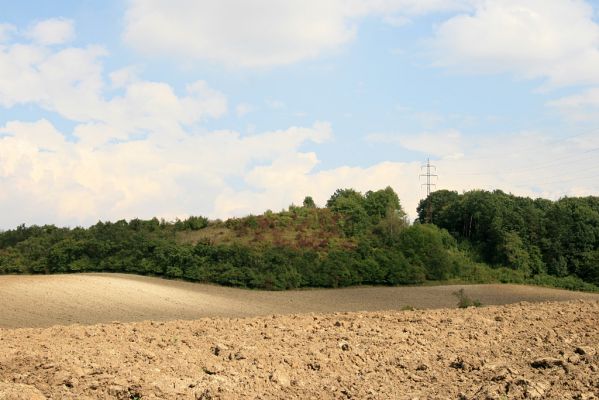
380,203
444,209
344,194
350,204
309,202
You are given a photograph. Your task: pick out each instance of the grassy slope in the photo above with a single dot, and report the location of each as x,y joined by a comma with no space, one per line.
315,229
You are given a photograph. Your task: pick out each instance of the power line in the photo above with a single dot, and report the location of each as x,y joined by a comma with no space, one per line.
590,132
568,180
554,162
567,175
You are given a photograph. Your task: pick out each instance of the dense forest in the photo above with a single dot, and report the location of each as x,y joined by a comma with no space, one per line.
558,238
355,239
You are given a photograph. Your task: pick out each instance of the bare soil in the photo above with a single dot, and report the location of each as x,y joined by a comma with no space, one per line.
519,351
47,300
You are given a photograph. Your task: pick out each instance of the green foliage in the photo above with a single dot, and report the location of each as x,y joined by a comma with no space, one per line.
357,239
427,246
390,227
537,237
464,301
309,202
360,214
381,203
192,223
351,206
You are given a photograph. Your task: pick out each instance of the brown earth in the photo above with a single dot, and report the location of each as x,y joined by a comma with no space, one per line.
524,350
46,300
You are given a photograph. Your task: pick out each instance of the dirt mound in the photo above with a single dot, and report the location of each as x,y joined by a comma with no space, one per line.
42,301
542,350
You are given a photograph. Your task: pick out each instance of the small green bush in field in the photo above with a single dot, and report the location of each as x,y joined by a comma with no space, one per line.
464,301
407,308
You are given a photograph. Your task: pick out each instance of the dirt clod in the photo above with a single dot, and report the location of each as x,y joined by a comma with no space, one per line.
547,362
434,354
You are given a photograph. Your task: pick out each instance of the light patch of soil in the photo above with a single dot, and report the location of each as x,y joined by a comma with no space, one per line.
46,300
521,351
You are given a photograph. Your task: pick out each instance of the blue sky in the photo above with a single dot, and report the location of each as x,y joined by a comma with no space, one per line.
123,109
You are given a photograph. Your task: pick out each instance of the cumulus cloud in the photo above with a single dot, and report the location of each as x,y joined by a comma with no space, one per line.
259,33
579,107
143,151
66,81
475,162
79,183
288,181
52,31
556,40
71,83
138,153
238,33
124,76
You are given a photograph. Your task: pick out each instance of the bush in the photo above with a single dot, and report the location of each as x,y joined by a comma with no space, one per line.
464,301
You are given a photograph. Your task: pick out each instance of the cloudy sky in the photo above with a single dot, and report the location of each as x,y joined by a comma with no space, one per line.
120,109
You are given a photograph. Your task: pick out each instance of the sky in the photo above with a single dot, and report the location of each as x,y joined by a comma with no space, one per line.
119,109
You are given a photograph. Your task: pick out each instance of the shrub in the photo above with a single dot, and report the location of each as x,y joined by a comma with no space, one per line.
464,301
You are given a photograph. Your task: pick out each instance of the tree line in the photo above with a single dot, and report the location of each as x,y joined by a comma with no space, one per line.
536,236
355,239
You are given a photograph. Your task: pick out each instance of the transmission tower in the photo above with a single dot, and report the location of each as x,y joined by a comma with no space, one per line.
428,175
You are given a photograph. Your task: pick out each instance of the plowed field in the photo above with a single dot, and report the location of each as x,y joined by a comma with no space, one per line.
46,300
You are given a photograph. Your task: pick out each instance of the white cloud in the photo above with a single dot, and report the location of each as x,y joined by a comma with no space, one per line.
524,163
501,162
6,31
446,143
554,40
289,180
49,179
70,82
403,8
143,152
52,31
237,33
579,107
78,183
67,81
124,76
259,33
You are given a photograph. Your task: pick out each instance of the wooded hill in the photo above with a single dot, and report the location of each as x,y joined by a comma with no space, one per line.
355,239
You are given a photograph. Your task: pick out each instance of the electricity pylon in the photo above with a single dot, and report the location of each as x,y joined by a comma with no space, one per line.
428,184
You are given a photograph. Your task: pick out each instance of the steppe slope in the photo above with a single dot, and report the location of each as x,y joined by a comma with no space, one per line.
46,300
525,350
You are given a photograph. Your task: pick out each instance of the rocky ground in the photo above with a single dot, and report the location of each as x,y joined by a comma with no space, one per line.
525,350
